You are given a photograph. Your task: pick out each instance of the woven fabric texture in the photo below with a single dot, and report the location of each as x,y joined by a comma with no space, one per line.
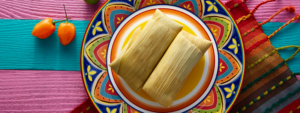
267,74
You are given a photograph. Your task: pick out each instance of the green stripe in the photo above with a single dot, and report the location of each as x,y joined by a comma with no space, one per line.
269,90
282,100
261,77
20,50
261,59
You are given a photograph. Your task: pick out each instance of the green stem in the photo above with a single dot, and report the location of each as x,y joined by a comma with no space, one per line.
57,21
66,13
54,22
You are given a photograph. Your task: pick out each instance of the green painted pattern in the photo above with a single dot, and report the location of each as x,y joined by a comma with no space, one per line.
124,107
166,1
226,30
92,47
216,109
137,3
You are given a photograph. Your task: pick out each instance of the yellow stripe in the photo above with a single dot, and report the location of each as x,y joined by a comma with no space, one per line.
251,103
288,78
243,18
265,93
244,108
258,98
273,87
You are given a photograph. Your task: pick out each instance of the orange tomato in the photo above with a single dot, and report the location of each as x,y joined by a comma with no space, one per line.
44,28
66,33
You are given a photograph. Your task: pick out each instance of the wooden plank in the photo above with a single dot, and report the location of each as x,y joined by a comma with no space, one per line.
40,91
267,10
40,9
21,50
79,10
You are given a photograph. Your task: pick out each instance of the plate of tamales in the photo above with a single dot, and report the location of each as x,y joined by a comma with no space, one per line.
162,56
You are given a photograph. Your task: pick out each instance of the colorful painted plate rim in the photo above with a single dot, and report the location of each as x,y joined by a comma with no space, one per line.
203,25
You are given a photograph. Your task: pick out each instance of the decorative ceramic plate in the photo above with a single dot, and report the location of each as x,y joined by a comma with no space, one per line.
199,82
213,84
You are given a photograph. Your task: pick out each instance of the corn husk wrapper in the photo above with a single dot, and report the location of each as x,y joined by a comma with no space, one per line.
139,60
117,61
171,72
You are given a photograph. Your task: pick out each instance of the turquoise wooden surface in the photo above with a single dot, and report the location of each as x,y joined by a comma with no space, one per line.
20,50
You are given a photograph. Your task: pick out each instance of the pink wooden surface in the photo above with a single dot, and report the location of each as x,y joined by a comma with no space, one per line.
40,91
267,10
40,9
298,77
78,10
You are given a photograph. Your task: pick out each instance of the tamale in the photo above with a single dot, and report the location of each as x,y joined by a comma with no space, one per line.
138,61
200,43
116,63
171,72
